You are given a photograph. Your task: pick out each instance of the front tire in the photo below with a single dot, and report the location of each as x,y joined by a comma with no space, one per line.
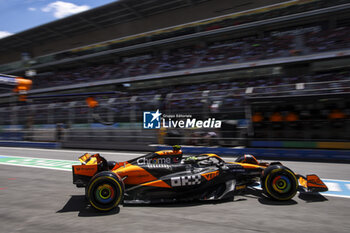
105,191
279,183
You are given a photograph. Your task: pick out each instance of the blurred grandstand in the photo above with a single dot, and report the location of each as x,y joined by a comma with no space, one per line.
277,73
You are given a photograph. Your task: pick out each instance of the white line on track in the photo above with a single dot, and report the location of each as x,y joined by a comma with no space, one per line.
50,168
333,186
334,195
335,180
27,157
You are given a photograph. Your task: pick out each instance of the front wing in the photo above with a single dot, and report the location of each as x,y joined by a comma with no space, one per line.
312,183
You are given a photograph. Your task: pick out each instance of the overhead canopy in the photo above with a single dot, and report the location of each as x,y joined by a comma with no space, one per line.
116,12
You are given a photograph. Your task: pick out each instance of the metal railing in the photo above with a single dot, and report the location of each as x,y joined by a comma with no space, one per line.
119,120
202,104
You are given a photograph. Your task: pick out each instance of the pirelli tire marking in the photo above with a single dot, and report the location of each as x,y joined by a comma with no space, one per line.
185,180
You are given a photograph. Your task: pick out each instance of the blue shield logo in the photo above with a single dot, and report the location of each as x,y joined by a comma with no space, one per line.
151,120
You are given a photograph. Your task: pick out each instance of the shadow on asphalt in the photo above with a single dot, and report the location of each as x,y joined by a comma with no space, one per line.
78,203
268,201
307,197
258,194
312,197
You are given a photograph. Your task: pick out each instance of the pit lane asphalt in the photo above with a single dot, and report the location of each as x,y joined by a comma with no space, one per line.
39,200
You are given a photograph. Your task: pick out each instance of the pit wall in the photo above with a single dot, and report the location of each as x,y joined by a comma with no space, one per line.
300,144
123,138
265,153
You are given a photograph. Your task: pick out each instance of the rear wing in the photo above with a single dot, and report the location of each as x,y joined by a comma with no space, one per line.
90,165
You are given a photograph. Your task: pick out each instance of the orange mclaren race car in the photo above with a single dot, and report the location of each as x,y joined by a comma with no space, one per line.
167,176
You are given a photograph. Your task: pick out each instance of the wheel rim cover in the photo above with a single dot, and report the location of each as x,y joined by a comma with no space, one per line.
281,184
104,193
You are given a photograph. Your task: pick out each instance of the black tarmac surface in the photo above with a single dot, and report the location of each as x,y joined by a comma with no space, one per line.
40,200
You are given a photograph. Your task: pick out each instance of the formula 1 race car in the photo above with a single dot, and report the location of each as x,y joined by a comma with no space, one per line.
167,176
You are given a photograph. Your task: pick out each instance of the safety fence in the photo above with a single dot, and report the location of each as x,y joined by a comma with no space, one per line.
118,120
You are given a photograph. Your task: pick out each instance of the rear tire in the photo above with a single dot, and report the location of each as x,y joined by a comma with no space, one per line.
105,191
279,183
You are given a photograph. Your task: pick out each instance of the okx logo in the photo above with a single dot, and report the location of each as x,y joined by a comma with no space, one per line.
151,120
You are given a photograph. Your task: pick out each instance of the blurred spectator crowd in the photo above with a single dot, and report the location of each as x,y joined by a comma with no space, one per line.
196,56
223,98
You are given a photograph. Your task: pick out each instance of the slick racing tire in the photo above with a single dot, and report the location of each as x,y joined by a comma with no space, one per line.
279,182
105,191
